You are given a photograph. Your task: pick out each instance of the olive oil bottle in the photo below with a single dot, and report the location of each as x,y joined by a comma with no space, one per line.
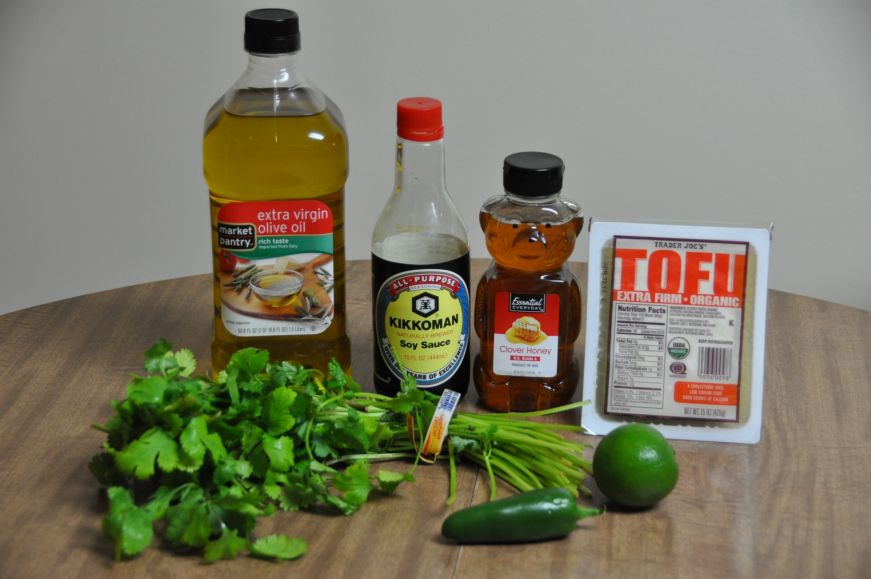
275,158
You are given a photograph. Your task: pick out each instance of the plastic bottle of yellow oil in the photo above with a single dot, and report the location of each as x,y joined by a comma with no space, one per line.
275,158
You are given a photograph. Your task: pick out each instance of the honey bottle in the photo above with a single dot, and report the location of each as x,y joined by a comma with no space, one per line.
275,158
420,265
528,302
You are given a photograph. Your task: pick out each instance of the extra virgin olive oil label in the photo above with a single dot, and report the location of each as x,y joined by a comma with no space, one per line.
526,334
422,317
275,265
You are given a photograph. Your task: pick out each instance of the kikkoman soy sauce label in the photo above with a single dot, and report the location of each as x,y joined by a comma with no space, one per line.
275,267
676,321
422,324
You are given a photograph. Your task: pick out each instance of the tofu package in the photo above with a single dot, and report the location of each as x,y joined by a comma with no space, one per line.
675,332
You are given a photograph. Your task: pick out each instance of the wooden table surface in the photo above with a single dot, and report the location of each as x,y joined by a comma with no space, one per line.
796,505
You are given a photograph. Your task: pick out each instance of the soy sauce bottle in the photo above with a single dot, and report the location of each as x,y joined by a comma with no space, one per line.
420,264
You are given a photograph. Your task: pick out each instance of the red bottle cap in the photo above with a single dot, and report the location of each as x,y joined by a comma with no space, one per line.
419,119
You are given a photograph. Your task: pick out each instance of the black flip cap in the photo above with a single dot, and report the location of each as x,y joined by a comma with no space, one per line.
271,31
532,174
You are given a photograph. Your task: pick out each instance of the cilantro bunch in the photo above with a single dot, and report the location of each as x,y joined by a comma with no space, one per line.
210,457
207,457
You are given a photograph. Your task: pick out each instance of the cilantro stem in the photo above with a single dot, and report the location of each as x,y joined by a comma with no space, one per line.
506,472
452,474
533,480
370,457
544,412
486,457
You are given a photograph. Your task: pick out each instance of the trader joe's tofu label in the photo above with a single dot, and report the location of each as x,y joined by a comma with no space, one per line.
677,310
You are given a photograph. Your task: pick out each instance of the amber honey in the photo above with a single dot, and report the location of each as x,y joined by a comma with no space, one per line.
528,302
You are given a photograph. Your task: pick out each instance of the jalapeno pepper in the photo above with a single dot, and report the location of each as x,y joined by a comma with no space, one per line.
531,516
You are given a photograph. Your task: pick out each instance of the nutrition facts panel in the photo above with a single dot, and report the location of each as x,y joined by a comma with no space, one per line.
638,356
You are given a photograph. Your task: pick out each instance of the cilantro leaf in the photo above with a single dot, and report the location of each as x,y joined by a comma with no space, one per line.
227,546
280,452
130,527
273,483
278,547
388,480
189,523
230,377
354,483
249,360
195,440
285,373
228,469
159,502
276,412
103,467
339,380
139,457
186,361
304,487
154,356
148,391
321,445
192,446
462,444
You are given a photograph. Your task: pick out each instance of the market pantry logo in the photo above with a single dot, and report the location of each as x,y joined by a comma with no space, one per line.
239,236
526,303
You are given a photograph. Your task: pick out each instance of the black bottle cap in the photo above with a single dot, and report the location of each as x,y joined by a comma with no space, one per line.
532,174
271,31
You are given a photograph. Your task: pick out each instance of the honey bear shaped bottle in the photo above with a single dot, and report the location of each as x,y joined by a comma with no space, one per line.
528,302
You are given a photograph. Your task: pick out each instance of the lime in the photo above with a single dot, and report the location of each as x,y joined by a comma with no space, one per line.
635,466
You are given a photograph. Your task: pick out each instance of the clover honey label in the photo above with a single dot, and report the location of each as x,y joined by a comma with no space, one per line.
526,334
422,324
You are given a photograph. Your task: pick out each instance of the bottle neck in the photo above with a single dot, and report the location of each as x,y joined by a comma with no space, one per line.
528,200
272,70
420,167
271,85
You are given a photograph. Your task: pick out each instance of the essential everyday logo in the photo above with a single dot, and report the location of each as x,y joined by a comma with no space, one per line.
527,303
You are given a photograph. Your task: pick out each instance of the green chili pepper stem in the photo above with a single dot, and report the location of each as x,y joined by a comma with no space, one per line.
583,513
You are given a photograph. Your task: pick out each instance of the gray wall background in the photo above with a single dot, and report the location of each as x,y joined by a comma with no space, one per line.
737,111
